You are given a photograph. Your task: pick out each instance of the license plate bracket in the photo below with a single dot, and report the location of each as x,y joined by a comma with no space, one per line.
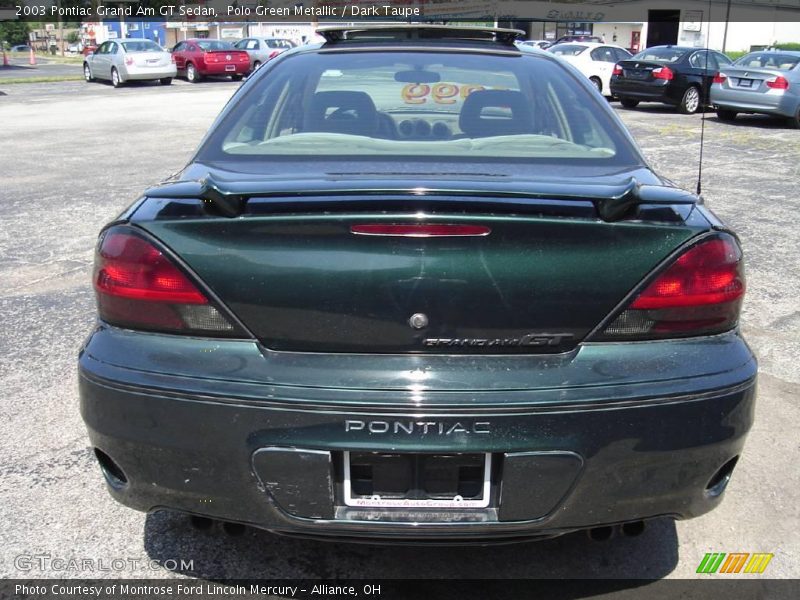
396,480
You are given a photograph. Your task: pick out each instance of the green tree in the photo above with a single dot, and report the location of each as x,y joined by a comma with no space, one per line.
14,32
73,37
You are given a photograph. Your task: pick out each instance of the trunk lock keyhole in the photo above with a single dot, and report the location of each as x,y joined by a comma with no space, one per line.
418,320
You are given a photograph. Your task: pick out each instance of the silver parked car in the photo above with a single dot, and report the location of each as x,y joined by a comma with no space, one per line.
129,59
262,49
765,82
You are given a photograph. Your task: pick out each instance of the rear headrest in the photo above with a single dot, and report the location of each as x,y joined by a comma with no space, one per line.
474,123
353,113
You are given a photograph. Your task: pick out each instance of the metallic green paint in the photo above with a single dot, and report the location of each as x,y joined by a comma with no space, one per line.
595,375
305,282
645,426
613,200
668,415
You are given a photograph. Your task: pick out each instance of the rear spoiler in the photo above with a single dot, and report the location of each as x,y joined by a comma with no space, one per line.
397,32
612,202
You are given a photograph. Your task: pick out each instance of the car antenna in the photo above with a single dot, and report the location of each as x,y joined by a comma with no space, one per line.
699,189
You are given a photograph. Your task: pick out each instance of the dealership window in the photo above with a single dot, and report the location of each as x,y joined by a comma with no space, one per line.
552,31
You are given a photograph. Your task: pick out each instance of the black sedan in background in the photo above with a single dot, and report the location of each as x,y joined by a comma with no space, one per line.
675,75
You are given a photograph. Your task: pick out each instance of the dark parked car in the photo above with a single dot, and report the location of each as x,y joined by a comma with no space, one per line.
197,58
418,283
21,48
670,74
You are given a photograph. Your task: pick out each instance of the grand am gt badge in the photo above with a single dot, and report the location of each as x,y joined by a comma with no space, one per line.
530,339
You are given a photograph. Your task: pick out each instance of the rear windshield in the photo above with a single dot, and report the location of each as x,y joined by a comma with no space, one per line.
568,49
420,105
143,46
665,55
759,60
214,45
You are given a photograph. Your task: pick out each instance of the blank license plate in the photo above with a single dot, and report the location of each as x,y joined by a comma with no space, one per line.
441,479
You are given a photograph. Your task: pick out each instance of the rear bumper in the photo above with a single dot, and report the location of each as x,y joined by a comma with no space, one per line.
145,73
267,455
223,69
655,91
779,104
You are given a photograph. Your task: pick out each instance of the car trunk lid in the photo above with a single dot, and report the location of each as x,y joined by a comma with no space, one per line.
750,79
636,70
226,56
329,271
150,59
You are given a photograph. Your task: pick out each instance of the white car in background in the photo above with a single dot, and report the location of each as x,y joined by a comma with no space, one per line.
594,60
541,44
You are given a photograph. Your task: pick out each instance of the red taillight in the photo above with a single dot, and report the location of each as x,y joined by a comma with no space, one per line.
138,286
778,83
210,57
420,230
706,274
700,293
719,78
663,73
273,54
133,268
172,58
129,60
617,70
244,57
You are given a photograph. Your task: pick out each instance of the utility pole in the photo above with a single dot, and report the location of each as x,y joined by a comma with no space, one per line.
60,29
725,34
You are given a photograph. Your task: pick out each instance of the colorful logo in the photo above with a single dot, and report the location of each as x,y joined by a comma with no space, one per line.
734,562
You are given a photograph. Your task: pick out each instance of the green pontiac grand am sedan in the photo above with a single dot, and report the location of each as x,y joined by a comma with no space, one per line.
418,283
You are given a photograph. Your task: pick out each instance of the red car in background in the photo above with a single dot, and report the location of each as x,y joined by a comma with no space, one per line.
198,58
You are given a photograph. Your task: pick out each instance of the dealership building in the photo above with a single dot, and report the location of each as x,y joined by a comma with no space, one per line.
726,25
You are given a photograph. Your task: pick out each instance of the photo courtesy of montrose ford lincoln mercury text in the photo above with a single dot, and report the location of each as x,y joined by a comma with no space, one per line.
418,282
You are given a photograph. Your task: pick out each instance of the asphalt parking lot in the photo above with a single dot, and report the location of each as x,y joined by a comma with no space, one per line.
19,67
73,155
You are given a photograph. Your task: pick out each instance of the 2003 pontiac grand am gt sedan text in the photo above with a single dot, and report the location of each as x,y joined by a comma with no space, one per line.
418,283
